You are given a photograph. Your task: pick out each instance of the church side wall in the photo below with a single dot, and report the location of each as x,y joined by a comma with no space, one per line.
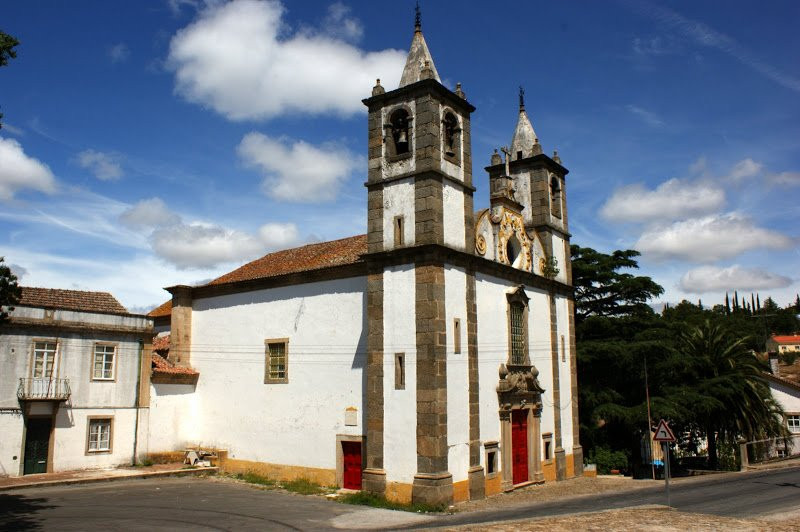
453,215
493,351
564,359
400,414
561,258
294,424
457,380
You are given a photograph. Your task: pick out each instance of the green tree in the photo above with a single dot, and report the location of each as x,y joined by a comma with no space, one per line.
602,289
7,44
723,389
10,292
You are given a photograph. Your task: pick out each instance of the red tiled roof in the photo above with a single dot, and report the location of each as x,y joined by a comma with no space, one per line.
302,259
164,309
163,366
787,339
161,343
70,300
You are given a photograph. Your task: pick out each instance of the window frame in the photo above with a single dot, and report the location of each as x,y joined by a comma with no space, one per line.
518,298
399,371
793,422
90,420
34,350
268,379
491,450
92,374
548,452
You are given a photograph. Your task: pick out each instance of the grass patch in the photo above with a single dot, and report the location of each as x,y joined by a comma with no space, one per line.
255,478
377,501
303,486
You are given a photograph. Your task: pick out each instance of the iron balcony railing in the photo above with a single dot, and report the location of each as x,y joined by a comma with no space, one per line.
43,389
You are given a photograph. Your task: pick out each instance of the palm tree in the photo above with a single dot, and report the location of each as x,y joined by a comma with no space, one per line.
725,389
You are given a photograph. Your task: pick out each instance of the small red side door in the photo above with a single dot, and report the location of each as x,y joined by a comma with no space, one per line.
519,445
351,452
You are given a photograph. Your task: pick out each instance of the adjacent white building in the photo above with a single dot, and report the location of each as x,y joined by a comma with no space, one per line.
73,366
432,359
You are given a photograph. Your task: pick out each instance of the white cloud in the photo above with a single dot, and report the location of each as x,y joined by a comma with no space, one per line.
785,178
104,166
151,213
672,199
203,246
708,239
648,117
297,170
277,235
339,24
241,60
716,279
18,171
744,169
119,53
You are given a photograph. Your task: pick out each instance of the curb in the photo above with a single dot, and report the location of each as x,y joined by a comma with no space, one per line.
94,480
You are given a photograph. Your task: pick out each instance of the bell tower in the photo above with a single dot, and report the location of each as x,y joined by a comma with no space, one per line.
420,214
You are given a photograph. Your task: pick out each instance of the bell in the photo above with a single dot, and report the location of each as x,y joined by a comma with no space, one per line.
402,138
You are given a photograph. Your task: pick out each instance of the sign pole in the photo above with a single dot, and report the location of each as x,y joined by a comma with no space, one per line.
666,470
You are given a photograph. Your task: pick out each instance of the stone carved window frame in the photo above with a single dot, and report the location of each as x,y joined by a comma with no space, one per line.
389,141
517,296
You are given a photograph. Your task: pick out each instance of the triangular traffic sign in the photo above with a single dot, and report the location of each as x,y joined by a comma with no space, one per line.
663,433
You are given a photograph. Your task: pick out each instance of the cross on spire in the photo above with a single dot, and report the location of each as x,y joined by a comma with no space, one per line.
417,18
521,98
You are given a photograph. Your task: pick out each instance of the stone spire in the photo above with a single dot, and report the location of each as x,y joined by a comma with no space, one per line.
419,64
524,137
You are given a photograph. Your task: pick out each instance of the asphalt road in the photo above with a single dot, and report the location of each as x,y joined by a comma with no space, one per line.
200,504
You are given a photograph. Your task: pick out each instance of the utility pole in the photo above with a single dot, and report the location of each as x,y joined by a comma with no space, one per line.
649,421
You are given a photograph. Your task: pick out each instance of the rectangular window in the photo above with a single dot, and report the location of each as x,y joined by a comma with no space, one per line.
277,363
103,369
399,371
398,231
99,435
793,423
517,334
547,439
44,356
563,349
457,336
492,454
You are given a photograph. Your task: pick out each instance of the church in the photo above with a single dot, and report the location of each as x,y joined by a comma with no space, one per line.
431,359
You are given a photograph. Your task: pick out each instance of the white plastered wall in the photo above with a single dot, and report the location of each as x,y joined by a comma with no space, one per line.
453,215
400,406
295,423
565,377
71,435
559,254
788,398
172,418
457,374
398,200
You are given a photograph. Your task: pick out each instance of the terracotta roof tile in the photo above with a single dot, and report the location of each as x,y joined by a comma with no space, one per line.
164,309
787,339
163,366
71,300
161,343
302,259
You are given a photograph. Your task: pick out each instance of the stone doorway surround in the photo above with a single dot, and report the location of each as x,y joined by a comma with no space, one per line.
340,455
519,389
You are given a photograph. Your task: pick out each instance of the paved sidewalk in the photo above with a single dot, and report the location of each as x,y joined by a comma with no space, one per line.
102,475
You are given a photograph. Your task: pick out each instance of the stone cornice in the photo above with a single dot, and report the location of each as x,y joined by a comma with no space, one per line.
420,175
76,326
417,88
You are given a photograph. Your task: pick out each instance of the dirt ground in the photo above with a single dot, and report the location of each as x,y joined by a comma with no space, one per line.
556,490
651,518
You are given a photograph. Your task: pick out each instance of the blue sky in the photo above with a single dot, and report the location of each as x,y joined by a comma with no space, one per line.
146,144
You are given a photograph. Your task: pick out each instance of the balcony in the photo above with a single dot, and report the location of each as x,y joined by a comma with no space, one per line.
43,389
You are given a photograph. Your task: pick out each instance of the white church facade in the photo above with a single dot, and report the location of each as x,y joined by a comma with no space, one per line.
432,359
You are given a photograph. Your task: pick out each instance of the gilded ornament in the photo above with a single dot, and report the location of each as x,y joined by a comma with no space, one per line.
480,245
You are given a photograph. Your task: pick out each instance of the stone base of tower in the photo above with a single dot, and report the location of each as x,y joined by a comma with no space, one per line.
433,488
477,483
577,460
374,481
561,464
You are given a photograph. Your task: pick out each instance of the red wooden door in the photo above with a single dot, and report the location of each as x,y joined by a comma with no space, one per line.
351,453
519,445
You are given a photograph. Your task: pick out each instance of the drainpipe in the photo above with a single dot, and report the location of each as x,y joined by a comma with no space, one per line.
136,403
